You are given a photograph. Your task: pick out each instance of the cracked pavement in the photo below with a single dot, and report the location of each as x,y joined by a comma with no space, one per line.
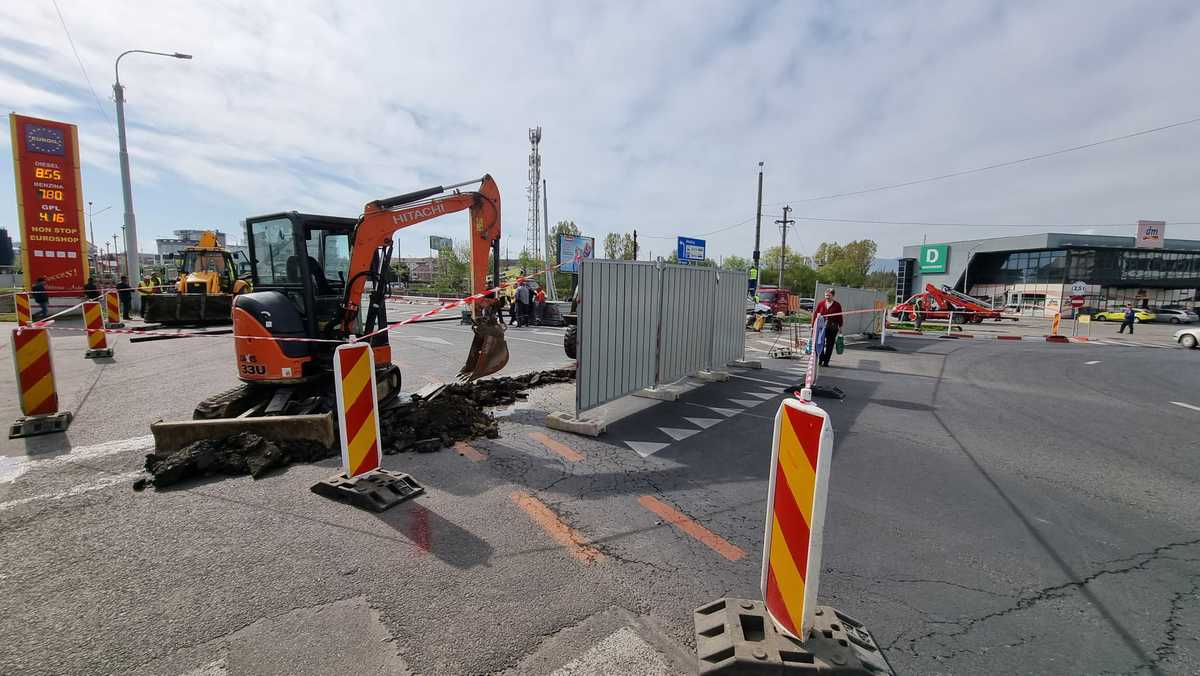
994,508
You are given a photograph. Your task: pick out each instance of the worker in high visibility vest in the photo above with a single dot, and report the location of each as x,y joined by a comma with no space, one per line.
145,288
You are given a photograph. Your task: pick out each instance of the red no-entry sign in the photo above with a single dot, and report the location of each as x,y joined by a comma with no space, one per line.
1076,301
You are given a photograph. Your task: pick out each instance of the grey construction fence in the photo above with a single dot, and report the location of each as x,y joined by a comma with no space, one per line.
857,299
647,324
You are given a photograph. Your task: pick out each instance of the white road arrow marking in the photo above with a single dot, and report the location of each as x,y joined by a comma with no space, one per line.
727,412
703,423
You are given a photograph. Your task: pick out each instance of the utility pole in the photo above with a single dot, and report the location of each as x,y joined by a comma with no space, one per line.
550,248
116,255
757,235
783,225
635,252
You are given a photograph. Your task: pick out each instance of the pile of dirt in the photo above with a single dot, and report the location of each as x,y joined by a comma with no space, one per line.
234,455
427,425
508,389
456,413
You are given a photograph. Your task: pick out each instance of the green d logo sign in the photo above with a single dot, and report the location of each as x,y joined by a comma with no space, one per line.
933,257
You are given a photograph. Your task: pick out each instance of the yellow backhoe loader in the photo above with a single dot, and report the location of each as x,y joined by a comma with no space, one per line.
203,294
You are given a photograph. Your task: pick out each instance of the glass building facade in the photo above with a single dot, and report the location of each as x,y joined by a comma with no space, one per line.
1115,276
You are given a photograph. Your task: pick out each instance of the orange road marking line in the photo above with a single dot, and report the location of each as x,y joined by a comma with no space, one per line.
557,446
470,452
689,525
555,527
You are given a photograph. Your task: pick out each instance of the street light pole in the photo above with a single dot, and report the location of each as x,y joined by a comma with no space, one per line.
131,250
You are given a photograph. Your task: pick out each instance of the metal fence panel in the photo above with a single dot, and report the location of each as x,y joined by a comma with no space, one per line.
688,302
617,333
729,319
856,299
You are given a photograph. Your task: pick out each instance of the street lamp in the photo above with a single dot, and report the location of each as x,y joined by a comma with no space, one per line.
133,268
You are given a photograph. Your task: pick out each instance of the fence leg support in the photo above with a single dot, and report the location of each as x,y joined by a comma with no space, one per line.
712,376
567,422
745,364
660,393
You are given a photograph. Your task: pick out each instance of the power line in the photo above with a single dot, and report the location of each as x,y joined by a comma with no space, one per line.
997,165
78,60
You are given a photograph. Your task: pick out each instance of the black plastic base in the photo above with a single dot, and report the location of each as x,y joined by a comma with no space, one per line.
828,392
377,491
737,636
100,353
40,424
885,348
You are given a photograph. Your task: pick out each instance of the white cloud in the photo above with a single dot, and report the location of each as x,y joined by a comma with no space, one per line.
655,116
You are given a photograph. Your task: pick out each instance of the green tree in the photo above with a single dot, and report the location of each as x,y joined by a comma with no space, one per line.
735,263
798,276
618,246
842,272
453,270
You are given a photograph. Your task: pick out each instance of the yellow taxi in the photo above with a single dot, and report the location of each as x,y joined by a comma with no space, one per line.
1119,315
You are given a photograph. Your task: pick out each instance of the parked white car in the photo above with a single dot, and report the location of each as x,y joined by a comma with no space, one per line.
1175,316
1188,337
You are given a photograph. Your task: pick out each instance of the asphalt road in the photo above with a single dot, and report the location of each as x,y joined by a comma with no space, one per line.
994,508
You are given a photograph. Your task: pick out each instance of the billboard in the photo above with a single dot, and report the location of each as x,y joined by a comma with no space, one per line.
1151,234
49,202
933,258
569,245
690,250
438,243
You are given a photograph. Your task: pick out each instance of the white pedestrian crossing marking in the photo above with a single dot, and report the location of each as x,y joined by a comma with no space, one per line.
676,433
746,403
646,448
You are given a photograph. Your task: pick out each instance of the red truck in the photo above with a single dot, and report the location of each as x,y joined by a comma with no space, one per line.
941,303
782,300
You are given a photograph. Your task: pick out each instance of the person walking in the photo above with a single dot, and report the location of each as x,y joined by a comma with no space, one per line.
125,295
832,311
90,290
539,307
1130,318
41,297
918,313
524,302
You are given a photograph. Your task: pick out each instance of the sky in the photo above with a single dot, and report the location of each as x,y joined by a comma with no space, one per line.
655,115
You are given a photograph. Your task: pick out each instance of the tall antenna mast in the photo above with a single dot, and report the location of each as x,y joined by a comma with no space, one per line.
533,235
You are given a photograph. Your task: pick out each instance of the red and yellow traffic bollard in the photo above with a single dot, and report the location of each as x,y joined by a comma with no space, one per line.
35,385
796,494
24,314
363,482
96,338
112,311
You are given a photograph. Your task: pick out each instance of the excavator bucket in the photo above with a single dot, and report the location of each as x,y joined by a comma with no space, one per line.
489,351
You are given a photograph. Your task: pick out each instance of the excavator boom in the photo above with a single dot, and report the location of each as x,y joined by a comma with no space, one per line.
380,221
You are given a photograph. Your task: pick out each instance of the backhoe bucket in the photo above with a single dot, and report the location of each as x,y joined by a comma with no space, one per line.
489,351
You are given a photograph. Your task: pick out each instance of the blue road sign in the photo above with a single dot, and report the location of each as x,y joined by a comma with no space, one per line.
690,250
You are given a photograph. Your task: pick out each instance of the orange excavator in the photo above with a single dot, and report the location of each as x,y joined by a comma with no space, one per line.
320,281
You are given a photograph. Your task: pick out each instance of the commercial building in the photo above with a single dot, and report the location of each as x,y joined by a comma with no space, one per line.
1033,274
185,238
